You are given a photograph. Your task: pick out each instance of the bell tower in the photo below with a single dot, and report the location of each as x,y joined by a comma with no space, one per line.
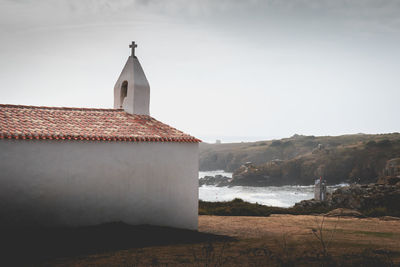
132,90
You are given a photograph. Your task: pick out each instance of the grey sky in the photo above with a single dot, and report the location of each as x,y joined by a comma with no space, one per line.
234,70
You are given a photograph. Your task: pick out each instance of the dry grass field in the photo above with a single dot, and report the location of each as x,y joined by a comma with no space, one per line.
278,240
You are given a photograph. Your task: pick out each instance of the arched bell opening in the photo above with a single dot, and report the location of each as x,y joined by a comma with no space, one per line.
124,93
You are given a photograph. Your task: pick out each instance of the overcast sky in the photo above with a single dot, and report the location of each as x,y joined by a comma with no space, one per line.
229,69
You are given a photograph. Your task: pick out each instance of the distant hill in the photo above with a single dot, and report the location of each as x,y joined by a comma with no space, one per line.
300,159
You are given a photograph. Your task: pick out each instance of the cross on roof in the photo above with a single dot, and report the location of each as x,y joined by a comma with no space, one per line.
133,46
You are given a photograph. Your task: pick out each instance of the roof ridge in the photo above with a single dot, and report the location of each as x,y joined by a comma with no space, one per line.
41,122
59,108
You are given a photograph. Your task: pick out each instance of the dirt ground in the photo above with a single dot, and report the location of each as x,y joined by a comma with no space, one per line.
278,240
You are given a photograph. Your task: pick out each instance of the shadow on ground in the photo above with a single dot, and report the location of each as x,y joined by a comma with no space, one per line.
29,246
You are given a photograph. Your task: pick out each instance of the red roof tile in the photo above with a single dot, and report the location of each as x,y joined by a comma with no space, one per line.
30,122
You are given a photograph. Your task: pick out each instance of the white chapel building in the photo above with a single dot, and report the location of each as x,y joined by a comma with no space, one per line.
82,166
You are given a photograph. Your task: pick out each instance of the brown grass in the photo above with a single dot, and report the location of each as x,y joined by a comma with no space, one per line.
278,240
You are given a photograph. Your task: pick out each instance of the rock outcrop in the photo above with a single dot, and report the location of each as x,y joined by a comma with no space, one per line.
370,199
217,180
248,175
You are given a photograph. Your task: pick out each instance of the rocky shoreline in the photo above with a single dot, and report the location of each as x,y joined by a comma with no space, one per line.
366,200
371,200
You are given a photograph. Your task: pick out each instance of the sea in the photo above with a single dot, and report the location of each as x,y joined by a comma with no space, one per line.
278,196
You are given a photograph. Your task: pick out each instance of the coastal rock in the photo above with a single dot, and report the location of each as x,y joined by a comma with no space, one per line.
217,180
371,200
311,204
249,175
348,197
366,197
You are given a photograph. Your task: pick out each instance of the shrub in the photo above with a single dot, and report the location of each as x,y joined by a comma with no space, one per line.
236,207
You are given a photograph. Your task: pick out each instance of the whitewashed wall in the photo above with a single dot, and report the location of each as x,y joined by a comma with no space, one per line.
75,183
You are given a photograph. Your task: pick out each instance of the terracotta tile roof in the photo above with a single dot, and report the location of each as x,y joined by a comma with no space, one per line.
30,122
